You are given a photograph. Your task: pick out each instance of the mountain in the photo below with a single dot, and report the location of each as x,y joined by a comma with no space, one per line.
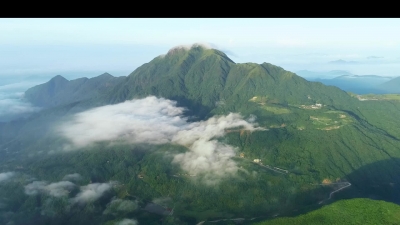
353,211
59,91
201,78
312,75
316,144
360,84
391,86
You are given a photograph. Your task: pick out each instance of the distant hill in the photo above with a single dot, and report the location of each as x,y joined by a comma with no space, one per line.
360,84
59,90
353,211
312,75
391,86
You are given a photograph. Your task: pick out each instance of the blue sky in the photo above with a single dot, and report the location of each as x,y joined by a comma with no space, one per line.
118,46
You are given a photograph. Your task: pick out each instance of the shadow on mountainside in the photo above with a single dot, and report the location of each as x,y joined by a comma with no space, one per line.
377,181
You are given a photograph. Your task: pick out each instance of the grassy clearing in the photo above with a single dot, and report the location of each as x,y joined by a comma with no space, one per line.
267,104
276,110
330,120
381,97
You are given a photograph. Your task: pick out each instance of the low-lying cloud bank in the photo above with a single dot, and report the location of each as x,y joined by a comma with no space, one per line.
58,189
5,176
150,120
15,107
64,200
119,205
128,222
72,177
86,194
158,121
92,192
206,155
12,102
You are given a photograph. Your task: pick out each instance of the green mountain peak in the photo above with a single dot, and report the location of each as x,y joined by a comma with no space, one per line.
199,50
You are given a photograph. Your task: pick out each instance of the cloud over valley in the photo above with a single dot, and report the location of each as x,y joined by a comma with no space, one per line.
13,106
58,189
84,194
5,176
92,192
158,121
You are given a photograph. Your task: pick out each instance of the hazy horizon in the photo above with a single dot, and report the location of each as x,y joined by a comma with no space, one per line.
118,46
32,51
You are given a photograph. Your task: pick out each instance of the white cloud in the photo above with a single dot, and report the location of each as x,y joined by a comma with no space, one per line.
58,189
35,187
72,177
252,118
12,102
157,121
207,155
16,106
150,120
13,108
20,86
5,176
120,205
127,222
92,192
187,47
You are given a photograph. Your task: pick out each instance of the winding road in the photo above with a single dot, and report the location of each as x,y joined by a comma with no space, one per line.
347,184
282,171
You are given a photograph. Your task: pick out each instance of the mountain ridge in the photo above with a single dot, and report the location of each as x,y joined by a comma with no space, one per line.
206,76
59,90
392,86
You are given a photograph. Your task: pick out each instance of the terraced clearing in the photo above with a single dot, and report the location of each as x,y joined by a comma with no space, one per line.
269,105
276,109
319,116
381,97
330,120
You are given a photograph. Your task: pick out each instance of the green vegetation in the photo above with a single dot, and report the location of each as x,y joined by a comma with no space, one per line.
354,211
